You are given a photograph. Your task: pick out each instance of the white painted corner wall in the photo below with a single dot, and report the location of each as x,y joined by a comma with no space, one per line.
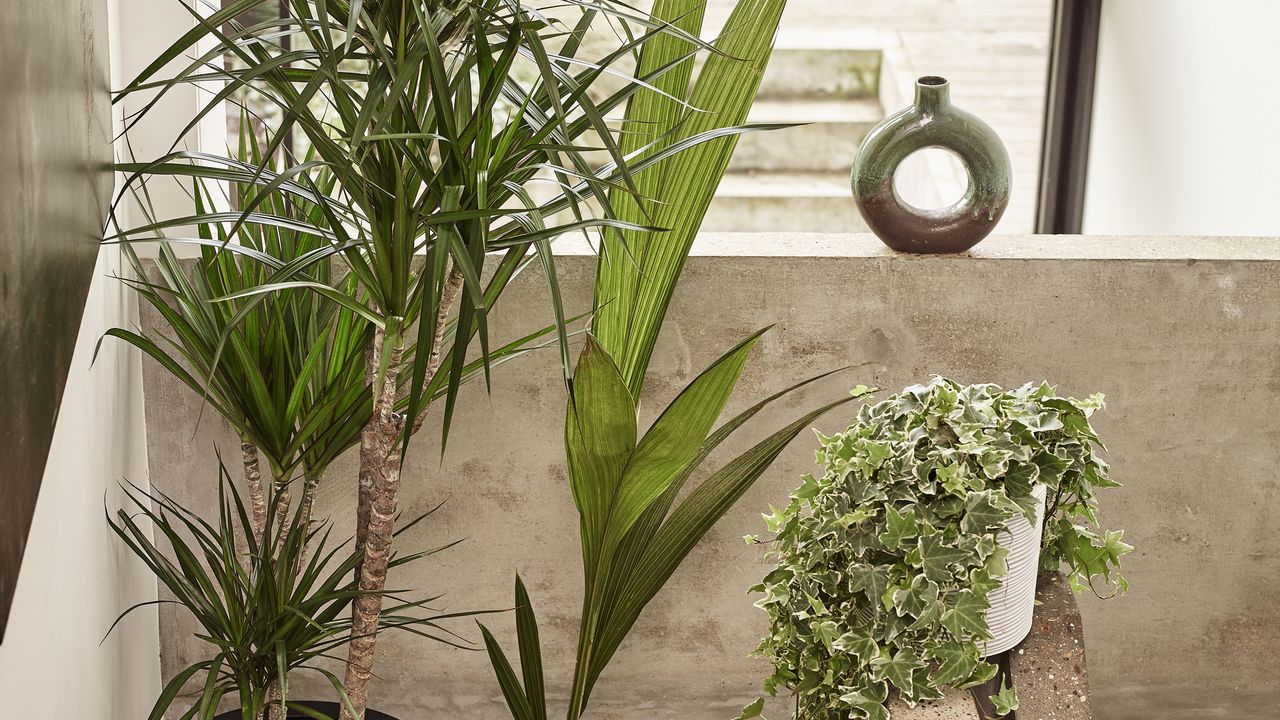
1184,127
76,576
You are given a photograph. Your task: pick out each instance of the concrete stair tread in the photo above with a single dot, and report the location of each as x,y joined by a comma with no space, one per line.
839,38
785,184
859,110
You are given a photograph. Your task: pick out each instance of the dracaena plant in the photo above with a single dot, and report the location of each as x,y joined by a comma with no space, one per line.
625,484
427,123
884,562
266,611
287,374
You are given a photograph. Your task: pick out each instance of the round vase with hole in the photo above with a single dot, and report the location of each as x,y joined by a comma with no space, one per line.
1013,604
932,121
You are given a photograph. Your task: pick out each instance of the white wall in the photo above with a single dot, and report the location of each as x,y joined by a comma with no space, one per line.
76,575
1184,128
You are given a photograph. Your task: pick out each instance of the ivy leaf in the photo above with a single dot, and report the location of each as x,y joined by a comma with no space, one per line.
924,689
776,518
956,663
953,478
859,643
876,453
859,514
994,462
898,669
965,616
826,632
983,580
1051,468
898,528
1020,477
1042,421
981,513
981,674
929,618
936,557
808,489
870,579
914,600
864,702
1005,701
753,710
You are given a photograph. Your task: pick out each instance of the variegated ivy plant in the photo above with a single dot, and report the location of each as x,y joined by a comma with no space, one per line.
885,561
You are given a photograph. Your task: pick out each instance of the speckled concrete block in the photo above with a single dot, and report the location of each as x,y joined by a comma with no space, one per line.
957,705
1048,667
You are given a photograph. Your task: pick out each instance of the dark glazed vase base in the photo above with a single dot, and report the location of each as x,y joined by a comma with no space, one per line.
328,709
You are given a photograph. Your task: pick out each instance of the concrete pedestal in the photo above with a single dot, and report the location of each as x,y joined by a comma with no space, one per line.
1048,667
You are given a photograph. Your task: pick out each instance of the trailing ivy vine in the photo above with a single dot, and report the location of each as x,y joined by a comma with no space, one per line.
884,563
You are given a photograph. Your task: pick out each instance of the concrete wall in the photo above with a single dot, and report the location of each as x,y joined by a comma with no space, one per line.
1184,120
1182,334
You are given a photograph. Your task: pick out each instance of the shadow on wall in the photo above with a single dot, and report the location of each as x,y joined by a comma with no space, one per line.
55,158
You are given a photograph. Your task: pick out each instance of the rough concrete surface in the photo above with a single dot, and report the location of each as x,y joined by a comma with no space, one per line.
1048,668
1187,350
957,705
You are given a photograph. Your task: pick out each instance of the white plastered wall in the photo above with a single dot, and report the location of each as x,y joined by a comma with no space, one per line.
1185,116
77,576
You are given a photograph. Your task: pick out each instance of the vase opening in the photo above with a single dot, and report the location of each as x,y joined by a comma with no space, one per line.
933,93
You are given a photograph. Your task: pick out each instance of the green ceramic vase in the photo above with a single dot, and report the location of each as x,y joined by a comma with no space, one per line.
932,122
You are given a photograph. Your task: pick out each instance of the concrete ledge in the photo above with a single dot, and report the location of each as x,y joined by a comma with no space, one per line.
1182,334
996,247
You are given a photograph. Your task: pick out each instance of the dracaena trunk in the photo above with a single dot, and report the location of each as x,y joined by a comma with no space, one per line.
310,486
379,487
257,495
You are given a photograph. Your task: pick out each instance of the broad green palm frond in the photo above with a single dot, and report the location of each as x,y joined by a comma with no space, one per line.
625,483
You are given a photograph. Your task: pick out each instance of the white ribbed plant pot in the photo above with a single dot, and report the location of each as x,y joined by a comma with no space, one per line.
1013,603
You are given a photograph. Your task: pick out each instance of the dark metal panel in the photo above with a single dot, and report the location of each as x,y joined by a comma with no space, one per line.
55,184
1068,116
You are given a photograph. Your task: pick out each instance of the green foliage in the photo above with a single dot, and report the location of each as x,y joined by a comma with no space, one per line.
633,532
429,125
287,372
637,272
885,562
266,610
1005,701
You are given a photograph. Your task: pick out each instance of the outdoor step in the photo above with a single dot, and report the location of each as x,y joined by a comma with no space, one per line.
817,64
826,140
784,202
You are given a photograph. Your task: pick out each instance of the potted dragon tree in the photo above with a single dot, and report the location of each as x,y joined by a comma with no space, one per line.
347,289
912,559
